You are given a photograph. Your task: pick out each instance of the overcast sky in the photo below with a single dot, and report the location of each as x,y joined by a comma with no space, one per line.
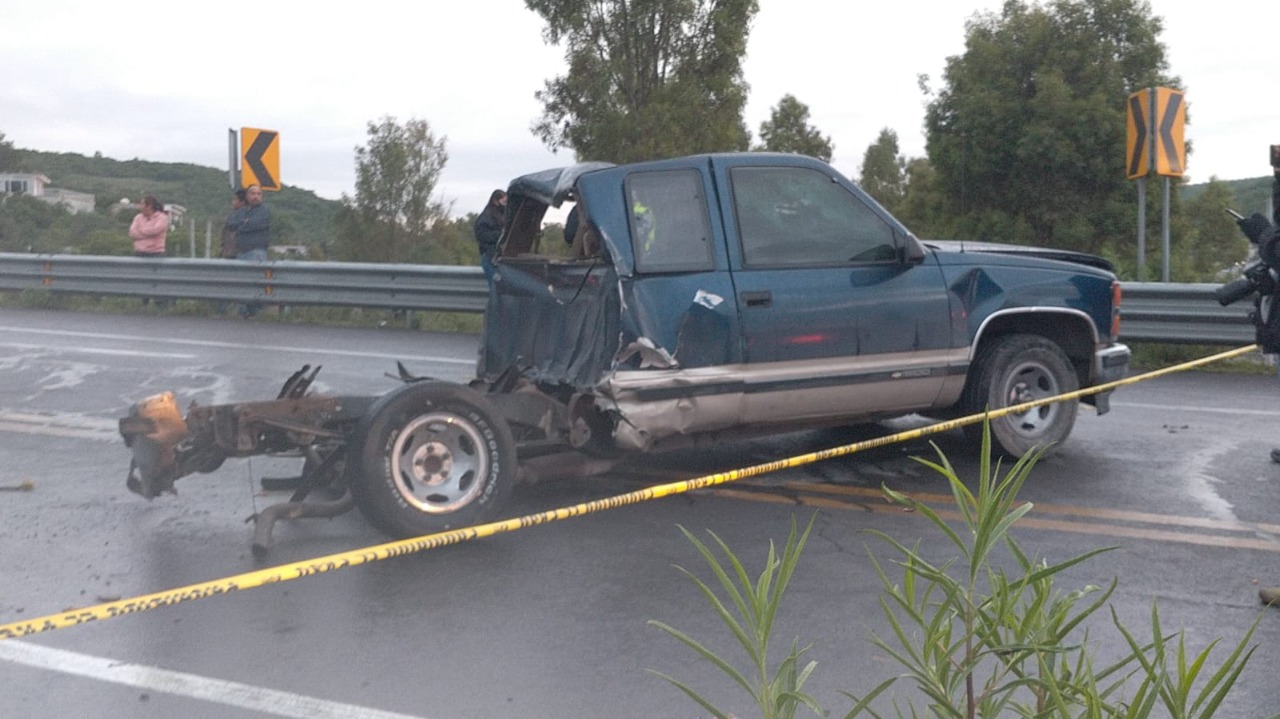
165,81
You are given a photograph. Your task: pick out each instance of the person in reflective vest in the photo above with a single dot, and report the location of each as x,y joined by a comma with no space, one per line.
645,225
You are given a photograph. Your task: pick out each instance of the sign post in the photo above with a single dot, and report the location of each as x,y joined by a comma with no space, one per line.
233,159
1137,153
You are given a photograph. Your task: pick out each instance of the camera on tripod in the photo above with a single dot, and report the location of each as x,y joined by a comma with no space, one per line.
1257,278
1261,278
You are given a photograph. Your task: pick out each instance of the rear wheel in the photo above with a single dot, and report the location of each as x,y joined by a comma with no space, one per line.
431,457
1015,369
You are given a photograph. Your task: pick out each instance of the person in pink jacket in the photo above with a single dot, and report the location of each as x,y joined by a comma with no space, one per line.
148,232
149,228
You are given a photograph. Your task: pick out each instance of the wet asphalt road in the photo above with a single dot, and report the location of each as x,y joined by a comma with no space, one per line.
551,621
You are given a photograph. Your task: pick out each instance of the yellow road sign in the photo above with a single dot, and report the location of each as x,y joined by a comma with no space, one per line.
1154,133
1169,120
1137,142
260,158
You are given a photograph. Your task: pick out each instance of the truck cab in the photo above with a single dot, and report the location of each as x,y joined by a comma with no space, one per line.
749,291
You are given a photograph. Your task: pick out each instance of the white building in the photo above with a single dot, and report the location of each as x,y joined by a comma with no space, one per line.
37,186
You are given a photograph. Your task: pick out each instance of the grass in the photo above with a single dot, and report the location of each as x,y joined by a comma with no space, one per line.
1148,356
457,322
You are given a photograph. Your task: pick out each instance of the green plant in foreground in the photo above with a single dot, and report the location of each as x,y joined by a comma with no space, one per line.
778,694
976,638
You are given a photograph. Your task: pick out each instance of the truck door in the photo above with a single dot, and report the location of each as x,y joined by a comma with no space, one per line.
680,295
821,285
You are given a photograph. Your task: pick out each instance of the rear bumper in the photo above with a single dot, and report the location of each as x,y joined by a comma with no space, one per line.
1110,364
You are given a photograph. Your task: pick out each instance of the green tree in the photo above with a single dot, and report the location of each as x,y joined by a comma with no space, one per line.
31,225
393,210
1213,242
646,78
922,208
884,171
788,130
284,230
106,242
1027,134
452,242
8,155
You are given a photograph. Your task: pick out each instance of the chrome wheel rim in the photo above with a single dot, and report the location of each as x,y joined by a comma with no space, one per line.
1030,381
438,463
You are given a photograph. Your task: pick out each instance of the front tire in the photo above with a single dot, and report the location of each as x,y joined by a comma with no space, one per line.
432,456
1020,368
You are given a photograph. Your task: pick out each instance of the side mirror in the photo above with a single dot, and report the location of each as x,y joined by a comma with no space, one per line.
910,251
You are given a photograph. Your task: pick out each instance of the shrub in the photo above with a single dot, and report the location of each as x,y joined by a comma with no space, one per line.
975,639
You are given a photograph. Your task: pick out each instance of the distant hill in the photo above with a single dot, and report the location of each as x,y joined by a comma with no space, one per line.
299,217
1252,195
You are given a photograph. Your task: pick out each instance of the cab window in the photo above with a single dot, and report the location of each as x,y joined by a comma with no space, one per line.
668,218
797,216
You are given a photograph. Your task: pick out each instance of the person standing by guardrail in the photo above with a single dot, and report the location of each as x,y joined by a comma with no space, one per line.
149,228
488,229
252,227
227,249
148,231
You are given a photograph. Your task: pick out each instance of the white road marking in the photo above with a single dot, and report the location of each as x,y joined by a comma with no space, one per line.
232,345
59,424
217,691
46,431
1198,408
97,351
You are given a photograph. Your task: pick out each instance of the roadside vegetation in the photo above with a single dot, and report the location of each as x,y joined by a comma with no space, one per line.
1148,356
987,633
460,322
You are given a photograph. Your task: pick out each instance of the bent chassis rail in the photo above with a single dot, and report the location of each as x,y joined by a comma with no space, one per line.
166,446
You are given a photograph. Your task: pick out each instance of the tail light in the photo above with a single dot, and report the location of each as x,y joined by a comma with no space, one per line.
1115,310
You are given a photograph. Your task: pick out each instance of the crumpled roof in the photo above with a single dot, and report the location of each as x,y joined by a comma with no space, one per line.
553,186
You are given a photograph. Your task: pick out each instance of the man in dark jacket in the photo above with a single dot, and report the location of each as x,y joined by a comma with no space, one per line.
252,227
488,229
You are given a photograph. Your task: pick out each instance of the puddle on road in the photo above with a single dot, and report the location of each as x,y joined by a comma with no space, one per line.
1202,486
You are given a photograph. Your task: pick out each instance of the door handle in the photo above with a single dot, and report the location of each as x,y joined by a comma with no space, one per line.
758,298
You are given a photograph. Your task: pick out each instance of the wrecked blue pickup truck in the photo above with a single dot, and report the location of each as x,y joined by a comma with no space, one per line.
705,297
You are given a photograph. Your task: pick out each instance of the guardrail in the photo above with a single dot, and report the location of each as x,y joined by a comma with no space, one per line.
1151,311
1182,313
284,282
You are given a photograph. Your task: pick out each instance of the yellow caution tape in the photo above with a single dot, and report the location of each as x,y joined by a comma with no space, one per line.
356,557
